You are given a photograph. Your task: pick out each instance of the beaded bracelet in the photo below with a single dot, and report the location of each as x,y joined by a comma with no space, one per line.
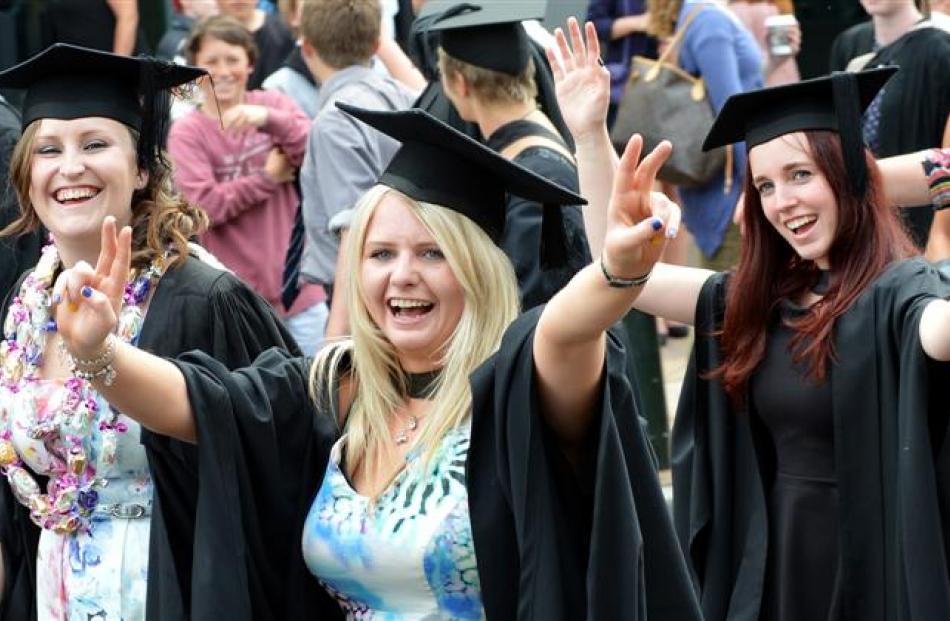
937,168
95,368
622,283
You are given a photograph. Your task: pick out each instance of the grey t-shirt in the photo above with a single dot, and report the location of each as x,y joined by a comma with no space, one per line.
344,159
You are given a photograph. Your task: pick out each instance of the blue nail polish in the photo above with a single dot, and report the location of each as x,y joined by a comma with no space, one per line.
86,291
57,298
657,224
50,325
671,232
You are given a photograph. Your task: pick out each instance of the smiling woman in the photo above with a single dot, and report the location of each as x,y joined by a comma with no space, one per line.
444,462
90,153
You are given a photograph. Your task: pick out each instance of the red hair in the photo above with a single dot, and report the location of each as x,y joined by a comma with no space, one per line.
869,238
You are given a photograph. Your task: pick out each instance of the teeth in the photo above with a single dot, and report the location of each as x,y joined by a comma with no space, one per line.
69,194
408,303
796,223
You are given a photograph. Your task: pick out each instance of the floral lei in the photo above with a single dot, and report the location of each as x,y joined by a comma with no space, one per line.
71,497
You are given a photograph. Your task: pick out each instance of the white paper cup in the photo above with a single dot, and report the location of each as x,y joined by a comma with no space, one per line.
778,34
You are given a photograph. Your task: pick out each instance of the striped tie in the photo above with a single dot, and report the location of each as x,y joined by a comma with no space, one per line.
290,282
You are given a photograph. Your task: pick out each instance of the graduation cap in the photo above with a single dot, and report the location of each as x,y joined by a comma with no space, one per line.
835,102
489,34
439,164
70,82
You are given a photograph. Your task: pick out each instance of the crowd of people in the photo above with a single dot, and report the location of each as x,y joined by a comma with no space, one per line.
298,324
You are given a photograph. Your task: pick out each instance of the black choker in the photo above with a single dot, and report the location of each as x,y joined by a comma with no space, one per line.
822,282
419,385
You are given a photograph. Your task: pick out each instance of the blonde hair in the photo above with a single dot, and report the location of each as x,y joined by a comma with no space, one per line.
161,218
490,85
663,15
491,304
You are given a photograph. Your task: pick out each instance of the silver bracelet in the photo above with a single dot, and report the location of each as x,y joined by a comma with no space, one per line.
622,283
94,368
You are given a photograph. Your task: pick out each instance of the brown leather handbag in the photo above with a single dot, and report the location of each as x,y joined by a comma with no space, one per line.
663,102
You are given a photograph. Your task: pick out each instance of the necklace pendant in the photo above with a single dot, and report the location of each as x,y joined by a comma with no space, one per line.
412,423
401,438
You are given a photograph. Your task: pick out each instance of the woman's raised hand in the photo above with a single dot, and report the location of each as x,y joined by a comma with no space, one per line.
88,300
639,221
582,83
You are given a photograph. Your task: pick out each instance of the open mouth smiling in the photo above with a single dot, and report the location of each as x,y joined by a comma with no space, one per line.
406,307
68,196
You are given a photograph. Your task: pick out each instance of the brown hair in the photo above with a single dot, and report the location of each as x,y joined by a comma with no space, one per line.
490,85
663,15
869,237
161,219
343,32
223,28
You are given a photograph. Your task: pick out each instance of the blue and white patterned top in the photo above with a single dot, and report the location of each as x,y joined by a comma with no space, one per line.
409,555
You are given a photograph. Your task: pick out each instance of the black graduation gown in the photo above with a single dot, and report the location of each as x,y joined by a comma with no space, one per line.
892,463
549,545
916,104
524,218
16,253
194,306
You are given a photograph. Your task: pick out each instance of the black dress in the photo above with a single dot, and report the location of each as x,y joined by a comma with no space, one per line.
890,408
803,495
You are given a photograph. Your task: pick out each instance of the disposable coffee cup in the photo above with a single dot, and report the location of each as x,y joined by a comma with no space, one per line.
778,34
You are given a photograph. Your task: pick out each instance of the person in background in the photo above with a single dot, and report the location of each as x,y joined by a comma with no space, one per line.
753,13
913,111
243,173
622,26
90,539
343,158
108,25
487,73
272,36
294,78
719,49
171,45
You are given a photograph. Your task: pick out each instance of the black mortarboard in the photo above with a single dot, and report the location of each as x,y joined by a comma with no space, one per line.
439,164
489,33
69,82
835,102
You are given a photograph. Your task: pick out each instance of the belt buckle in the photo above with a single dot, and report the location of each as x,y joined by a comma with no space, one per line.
129,511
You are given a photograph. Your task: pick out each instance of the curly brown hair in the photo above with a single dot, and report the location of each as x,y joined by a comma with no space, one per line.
161,219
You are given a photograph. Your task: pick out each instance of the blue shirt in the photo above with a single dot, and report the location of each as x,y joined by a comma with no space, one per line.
718,48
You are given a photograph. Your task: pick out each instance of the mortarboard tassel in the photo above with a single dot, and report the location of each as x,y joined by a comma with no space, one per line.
848,110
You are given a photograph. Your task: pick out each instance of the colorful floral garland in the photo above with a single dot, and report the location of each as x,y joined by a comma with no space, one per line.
71,495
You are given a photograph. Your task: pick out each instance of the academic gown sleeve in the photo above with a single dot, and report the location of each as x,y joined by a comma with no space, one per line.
195,307
555,541
262,449
718,496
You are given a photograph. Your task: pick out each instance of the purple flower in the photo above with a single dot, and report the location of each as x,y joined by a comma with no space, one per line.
140,289
88,499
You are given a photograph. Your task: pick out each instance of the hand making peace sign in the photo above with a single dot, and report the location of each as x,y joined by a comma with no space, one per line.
89,300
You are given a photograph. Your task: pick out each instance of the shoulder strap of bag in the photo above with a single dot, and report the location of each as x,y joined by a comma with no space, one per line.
678,36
